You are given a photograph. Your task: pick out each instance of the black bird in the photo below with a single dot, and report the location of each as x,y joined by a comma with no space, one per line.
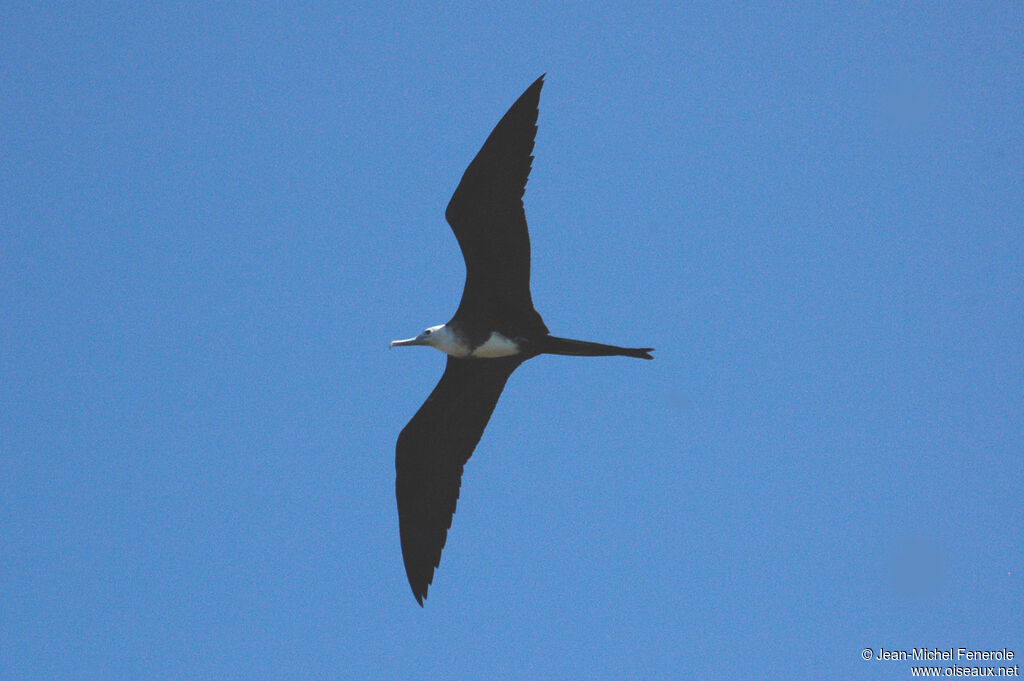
494,330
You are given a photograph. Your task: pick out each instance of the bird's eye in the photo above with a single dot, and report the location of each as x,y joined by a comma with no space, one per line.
427,332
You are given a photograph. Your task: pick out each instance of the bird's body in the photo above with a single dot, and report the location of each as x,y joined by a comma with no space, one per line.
453,340
494,330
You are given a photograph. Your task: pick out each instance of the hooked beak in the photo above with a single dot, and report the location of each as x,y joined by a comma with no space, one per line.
407,341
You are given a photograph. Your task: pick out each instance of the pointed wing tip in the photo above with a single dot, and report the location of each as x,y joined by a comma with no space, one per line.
536,85
419,593
532,92
419,578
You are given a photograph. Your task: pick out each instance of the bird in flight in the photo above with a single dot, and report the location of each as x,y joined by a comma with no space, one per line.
494,330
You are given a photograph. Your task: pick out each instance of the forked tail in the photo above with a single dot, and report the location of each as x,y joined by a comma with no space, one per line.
553,345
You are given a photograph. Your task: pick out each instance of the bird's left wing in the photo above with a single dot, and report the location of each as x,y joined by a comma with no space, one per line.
486,214
431,453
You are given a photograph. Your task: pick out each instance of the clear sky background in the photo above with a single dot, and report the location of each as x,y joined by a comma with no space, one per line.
214,219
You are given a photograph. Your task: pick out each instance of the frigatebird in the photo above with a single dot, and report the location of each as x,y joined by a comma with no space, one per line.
494,330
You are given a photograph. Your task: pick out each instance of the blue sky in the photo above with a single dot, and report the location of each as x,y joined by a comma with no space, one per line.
215,218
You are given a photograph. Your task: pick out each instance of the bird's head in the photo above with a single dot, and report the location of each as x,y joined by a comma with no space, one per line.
435,337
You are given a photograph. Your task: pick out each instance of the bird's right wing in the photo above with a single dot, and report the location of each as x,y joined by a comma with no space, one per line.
432,450
486,213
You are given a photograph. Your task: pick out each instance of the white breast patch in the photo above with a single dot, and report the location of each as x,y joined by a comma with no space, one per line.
497,346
